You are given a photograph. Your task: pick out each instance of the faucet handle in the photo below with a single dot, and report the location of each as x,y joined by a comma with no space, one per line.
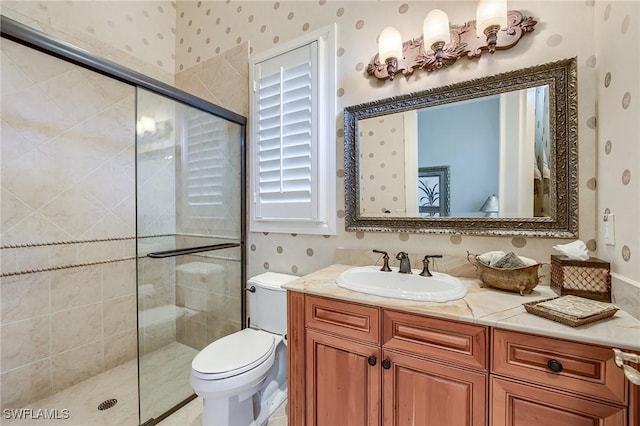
425,264
432,256
385,257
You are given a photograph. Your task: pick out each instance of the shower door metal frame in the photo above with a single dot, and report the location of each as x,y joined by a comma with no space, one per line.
24,35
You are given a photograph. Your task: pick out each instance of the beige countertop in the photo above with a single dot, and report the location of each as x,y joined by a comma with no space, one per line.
484,306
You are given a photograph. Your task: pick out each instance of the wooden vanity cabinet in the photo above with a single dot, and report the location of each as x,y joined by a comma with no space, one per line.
352,364
437,371
342,363
536,378
369,366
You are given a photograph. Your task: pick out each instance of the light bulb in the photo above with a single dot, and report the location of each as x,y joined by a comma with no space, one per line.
389,44
436,28
490,13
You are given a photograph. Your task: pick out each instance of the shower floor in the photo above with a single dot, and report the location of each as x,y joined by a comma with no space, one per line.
81,400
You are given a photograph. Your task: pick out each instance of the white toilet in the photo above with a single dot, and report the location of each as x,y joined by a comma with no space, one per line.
242,377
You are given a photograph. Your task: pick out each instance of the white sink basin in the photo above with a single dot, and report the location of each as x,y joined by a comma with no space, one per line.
369,279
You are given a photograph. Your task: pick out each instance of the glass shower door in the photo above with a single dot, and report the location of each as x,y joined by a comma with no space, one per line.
189,229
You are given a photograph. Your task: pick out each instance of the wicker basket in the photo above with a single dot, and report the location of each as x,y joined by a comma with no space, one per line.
585,278
533,308
520,280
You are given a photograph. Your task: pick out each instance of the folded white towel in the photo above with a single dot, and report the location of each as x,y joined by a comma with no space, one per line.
576,250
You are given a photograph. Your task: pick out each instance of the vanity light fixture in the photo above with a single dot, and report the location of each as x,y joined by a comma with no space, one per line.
435,32
491,15
390,48
441,44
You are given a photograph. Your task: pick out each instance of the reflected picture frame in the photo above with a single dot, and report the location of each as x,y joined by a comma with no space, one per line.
433,191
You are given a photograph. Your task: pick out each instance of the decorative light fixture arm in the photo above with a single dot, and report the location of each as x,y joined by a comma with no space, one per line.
464,42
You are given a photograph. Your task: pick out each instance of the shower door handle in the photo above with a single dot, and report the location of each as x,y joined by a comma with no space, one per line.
191,250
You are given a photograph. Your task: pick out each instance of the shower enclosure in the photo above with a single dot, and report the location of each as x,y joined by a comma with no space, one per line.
121,237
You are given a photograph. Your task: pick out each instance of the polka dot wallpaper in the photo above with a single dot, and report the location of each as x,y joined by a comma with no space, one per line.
265,24
163,39
137,34
382,162
618,130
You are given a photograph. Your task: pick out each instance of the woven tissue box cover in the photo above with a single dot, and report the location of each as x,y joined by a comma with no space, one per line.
585,278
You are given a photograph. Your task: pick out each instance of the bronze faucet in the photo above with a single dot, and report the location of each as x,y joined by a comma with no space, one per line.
385,267
425,264
405,263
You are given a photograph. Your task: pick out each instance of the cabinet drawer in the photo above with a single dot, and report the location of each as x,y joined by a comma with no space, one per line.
583,368
515,403
343,318
461,343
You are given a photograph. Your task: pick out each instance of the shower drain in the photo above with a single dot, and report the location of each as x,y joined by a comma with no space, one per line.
107,404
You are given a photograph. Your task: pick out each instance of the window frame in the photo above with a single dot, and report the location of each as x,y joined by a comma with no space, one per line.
323,157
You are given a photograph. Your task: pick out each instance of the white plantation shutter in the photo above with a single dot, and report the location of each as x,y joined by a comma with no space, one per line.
292,155
286,128
204,163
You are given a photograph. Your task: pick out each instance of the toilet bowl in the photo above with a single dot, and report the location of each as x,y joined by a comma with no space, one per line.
242,377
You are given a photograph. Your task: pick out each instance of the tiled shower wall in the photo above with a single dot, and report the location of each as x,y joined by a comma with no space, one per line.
68,224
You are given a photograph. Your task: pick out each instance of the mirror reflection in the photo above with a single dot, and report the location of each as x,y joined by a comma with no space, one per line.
492,156
482,157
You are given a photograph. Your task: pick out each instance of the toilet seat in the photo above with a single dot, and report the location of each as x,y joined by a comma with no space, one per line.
234,354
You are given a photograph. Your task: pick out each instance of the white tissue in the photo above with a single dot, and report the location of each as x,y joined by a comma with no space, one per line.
576,250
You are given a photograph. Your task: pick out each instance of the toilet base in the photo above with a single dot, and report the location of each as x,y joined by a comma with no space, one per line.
228,412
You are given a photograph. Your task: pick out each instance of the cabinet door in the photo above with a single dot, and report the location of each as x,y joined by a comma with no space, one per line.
516,403
343,381
420,392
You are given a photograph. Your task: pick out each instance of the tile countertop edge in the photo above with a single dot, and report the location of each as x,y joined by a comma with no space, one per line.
483,306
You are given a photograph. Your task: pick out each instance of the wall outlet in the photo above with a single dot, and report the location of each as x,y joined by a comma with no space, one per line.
609,227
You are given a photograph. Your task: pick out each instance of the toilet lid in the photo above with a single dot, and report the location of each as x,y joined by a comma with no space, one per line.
234,354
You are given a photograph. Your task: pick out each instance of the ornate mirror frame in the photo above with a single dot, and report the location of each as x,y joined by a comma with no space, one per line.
561,76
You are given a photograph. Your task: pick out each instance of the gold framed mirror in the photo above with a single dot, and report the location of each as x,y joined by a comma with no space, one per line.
496,155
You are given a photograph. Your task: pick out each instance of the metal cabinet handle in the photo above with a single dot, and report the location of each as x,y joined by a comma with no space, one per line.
386,363
630,373
620,357
372,360
554,365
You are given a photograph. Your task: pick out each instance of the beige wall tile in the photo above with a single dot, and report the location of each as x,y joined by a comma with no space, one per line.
180,297
118,278
75,287
120,348
74,366
157,335
24,296
119,315
65,254
26,384
8,260
31,258
218,309
76,327
221,329
195,334
18,350
35,227
195,300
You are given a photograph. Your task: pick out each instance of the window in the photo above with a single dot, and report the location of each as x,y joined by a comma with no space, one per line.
293,137
204,156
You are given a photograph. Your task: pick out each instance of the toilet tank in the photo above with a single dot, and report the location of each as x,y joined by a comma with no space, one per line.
268,303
